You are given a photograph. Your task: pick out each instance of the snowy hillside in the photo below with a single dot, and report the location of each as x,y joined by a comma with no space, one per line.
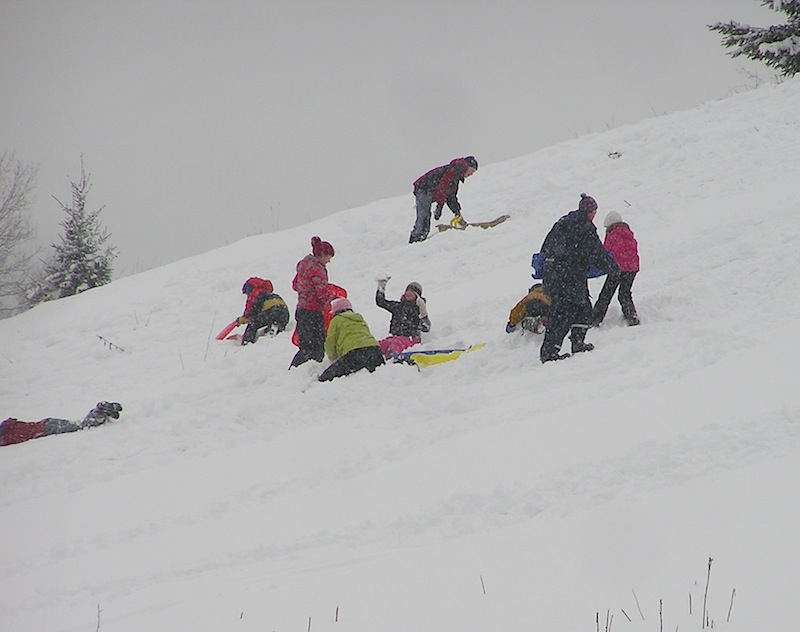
491,493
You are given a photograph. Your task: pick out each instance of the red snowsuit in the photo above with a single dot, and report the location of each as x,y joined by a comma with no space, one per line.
16,431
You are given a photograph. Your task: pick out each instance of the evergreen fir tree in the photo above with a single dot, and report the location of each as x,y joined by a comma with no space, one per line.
777,46
82,260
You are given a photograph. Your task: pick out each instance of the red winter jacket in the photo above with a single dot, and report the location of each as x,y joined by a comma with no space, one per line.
622,244
16,431
258,286
311,284
442,183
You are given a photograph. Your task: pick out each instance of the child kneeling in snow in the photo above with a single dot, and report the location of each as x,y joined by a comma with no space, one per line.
530,313
349,343
263,309
409,317
16,431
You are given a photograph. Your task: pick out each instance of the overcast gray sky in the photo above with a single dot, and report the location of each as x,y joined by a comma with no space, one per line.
205,121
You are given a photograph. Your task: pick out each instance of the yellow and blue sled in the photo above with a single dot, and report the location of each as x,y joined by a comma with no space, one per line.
429,357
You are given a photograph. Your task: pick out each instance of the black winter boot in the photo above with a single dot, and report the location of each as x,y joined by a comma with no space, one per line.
553,358
631,317
577,336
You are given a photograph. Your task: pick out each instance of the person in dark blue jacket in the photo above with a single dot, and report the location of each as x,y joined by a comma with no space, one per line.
570,249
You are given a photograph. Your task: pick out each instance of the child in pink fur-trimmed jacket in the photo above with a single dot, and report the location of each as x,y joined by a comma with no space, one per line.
621,242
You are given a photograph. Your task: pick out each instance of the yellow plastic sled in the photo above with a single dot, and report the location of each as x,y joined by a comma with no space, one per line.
436,356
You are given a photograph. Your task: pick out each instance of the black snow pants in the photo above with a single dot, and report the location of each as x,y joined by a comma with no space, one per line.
622,284
311,332
369,358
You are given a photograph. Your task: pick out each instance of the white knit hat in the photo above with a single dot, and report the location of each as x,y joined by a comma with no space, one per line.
612,218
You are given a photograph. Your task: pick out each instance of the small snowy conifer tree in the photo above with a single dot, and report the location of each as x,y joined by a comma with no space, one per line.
82,260
777,46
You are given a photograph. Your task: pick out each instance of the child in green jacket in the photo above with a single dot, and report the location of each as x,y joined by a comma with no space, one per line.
349,343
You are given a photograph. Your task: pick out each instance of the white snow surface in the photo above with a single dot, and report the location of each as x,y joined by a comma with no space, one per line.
490,493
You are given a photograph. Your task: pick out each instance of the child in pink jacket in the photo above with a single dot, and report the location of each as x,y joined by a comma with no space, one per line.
621,242
313,295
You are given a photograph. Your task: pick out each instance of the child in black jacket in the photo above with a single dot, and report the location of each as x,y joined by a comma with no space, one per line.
409,317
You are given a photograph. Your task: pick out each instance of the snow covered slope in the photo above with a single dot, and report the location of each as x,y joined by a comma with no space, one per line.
488,493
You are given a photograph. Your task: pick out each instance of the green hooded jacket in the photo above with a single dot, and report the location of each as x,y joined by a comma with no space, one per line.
346,332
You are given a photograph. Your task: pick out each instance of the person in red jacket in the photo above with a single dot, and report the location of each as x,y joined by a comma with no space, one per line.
311,285
440,185
263,309
621,242
15,431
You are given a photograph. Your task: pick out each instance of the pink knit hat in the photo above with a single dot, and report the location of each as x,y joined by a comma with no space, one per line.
340,305
321,248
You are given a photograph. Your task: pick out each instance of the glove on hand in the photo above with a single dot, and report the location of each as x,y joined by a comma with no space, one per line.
437,213
382,280
112,409
242,320
423,308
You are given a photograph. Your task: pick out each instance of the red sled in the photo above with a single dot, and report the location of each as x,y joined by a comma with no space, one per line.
338,292
228,329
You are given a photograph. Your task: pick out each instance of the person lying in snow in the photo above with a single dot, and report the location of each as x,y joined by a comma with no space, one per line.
530,313
409,317
16,431
349,343
263,308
